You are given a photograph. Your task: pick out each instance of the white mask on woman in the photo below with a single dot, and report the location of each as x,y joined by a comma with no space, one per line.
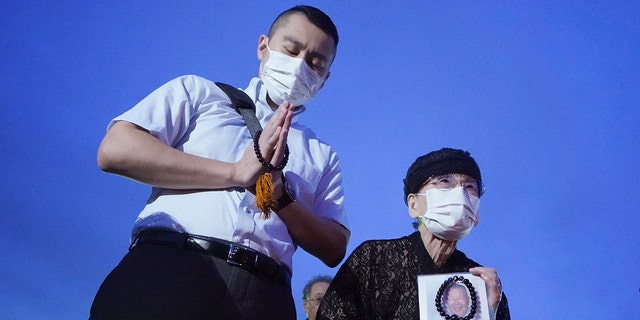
451,214
289,79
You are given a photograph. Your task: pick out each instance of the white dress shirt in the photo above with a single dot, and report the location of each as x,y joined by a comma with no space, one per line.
193,115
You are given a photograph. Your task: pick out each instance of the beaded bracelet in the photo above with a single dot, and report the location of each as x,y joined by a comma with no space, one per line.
269,166
472,292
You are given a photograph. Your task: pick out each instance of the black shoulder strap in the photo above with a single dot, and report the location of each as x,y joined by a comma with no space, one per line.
244,105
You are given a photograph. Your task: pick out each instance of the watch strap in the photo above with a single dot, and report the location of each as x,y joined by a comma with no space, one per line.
284,200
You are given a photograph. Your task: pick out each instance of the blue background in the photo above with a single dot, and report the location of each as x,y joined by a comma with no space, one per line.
544,94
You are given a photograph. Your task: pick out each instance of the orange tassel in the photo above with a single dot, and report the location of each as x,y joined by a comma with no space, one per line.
264,190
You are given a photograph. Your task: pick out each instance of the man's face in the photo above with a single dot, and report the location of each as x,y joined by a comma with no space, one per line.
315,297
297,37
457,301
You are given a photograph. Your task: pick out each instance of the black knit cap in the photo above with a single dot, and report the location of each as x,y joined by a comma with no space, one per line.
438,163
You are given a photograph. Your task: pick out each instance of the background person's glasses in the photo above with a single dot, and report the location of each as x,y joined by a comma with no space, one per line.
315,301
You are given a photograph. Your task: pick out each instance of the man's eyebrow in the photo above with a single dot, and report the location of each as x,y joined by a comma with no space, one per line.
295,41
302,45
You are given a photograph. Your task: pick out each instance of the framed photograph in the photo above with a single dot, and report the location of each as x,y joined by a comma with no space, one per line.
452,296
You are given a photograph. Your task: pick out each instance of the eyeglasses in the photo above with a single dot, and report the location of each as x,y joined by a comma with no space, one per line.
315,301
448,182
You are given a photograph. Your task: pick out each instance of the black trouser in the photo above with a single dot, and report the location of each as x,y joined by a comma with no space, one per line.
162,282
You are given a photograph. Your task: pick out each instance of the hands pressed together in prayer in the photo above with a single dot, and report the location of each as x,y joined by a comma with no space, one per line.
273,141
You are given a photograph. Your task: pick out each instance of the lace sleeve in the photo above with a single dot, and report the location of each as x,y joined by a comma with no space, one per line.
344,297
503,309
378,281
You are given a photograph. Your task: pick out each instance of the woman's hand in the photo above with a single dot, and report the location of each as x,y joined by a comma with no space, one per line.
494,287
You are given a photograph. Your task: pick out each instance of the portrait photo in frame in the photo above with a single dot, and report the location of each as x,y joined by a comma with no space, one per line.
452,296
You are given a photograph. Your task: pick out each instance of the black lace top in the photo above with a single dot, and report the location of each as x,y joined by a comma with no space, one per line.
379,281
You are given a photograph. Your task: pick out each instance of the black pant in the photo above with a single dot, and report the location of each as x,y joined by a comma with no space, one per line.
162,282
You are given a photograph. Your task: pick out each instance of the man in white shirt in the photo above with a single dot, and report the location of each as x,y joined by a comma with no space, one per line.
202,247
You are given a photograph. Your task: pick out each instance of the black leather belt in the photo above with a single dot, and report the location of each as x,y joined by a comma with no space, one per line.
235,254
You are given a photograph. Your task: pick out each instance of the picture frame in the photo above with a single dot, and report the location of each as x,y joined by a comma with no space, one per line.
453,294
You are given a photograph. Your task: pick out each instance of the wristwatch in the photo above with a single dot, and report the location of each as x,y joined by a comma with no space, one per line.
286,198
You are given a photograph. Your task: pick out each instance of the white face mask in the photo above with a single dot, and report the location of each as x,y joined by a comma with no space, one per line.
451,214
289,79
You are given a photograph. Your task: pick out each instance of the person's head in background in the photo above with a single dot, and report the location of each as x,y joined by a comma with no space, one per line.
312,295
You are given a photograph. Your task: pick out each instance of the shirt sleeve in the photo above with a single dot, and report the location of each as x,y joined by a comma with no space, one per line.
167,111
330,195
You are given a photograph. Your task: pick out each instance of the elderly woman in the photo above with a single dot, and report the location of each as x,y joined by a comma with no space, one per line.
379,279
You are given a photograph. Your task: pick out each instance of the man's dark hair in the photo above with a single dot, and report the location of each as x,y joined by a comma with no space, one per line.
306,291
314,15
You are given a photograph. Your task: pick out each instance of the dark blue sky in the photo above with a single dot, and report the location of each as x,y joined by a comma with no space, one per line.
544,94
